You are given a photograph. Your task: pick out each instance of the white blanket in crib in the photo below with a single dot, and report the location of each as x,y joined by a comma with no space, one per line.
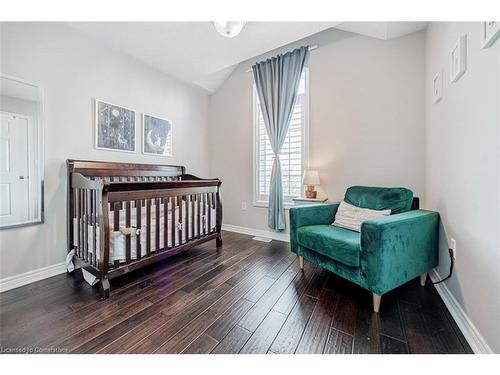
117,245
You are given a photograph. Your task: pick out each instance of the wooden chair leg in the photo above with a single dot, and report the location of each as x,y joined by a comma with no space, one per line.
376,302
301,262
423,278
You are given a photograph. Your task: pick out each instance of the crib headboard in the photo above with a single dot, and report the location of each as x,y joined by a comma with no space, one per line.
112,171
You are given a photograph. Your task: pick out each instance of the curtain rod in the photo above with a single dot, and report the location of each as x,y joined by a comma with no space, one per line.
311,48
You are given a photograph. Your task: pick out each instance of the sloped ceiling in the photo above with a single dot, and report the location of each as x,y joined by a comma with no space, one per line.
194,52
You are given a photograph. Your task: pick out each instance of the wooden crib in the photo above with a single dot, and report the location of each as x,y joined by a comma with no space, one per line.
121,216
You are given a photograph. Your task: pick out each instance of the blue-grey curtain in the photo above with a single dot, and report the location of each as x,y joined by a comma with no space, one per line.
277,80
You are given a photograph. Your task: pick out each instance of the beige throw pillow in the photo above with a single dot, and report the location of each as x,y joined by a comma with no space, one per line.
351,217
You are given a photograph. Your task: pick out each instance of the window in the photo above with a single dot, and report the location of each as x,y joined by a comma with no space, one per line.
293,156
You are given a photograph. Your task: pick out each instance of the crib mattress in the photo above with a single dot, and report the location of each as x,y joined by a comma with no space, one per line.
118,240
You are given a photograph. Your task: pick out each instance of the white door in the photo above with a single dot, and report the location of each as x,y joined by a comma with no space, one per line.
14,169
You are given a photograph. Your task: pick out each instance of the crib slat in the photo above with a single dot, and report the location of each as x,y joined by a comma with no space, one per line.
86,224
76,234
191,204
186,224
204,217
173,221
82,219
165,223
157,224
77,217
198,202
128,240
94,223
209,219
213,208
82,227
180,230
185,227
116,216
138,250
148,227
116,226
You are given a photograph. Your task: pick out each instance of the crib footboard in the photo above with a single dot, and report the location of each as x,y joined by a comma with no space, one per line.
119,225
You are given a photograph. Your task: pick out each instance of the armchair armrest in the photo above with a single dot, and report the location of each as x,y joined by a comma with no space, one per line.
309,215
398,248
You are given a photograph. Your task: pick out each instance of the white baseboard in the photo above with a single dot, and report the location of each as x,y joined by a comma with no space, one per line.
476,341
29,277
257,232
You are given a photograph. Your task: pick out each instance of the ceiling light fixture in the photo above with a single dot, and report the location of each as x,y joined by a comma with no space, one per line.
229,29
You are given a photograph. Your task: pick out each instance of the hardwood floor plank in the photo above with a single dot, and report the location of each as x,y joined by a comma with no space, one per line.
390,318
220,328
418,341
259,311
233,341
338,343
389,345
259,289
315,286
82,337
264,335
366,334
231,300
316,332
444,340
289,336
345,315
204,345
299,284
176,320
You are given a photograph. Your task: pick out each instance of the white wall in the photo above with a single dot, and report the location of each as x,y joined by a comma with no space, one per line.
366,120
73,70
463,168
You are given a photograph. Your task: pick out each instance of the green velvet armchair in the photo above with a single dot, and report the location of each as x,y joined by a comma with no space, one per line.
388,252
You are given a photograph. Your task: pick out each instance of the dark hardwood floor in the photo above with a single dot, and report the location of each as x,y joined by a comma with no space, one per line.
248,297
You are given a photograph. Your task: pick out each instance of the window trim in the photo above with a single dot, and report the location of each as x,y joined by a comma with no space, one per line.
305,143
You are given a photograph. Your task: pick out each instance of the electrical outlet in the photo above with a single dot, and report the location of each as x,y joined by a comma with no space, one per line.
243,206
453,247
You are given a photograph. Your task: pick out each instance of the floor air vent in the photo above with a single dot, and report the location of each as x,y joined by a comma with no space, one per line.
262,239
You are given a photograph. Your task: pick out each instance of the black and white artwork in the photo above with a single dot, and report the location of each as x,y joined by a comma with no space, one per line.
115,127
156,135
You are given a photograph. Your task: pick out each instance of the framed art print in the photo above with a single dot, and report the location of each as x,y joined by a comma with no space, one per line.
490,32
156,136
114,127
458,59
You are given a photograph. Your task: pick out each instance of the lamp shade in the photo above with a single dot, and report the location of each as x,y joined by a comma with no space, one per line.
310,178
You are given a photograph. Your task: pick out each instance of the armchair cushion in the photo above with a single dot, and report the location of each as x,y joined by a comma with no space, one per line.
336,243
398,200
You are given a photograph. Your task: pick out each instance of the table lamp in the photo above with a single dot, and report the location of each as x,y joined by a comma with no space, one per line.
310,179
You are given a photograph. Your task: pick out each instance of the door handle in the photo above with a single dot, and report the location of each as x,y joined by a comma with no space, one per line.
21,177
